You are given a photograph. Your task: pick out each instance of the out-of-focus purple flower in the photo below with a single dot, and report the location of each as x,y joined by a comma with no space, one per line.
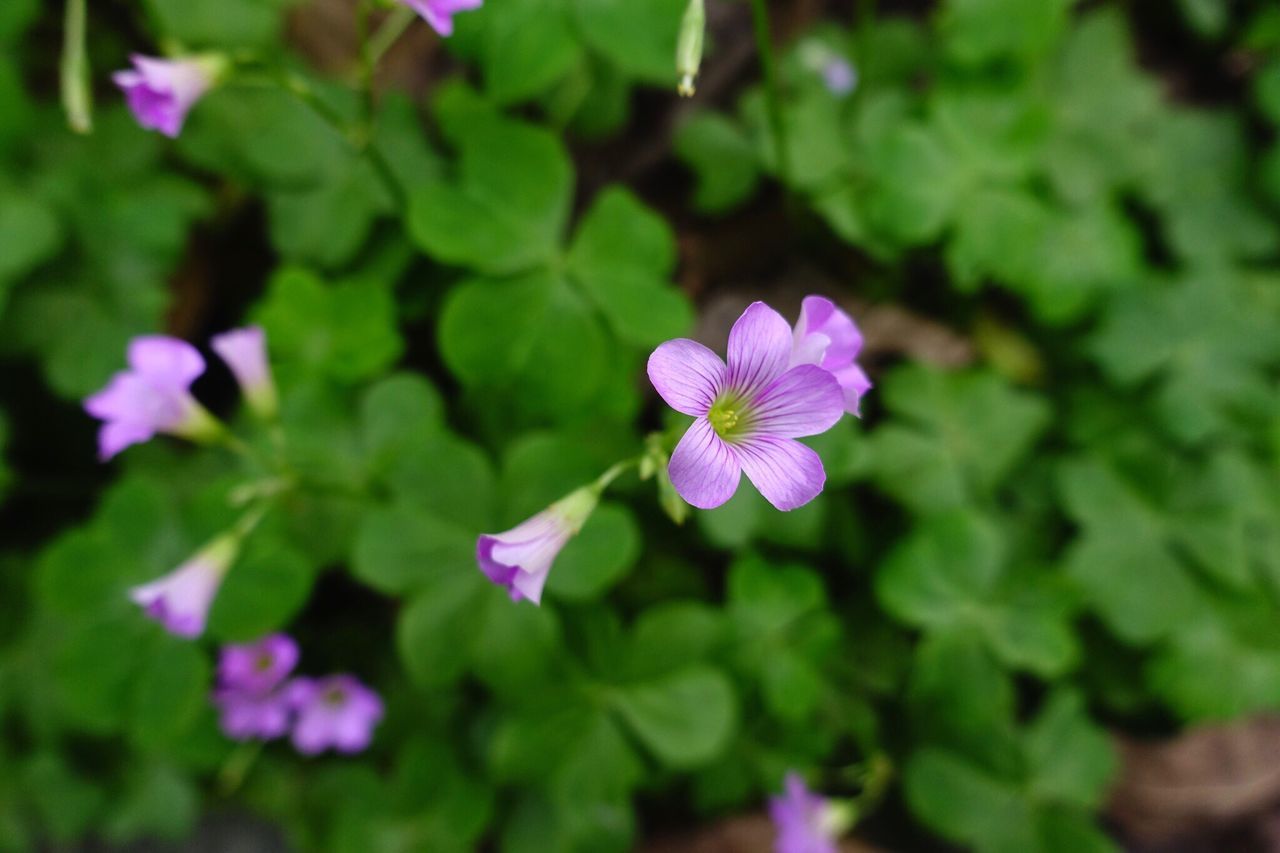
337,712
152,396
249,697
245,352
259,666
161,92
749,413
180,600
826,336
839,75
244,715
520,559
804,820
439,13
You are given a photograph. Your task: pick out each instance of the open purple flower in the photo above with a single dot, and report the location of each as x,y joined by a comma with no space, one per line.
337,712
245,352
259,666
161,92
520,559
826,336
805,821
180,600
152,396
749,413
439,13
839,76
250,702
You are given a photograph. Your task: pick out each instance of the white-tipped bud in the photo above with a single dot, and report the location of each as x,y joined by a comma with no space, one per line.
689,46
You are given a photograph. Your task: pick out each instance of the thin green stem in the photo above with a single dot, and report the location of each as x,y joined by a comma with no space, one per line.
389,33
361,141
773,91
236,769
77,96
616,470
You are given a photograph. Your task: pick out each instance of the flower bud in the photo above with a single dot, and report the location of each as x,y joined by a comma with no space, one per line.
689,46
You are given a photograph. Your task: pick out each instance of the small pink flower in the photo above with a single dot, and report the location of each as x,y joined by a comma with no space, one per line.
245,352
180,600
251,702
804,820
520,559
337,712
258,666
749,413
826,336
152,396
161,92
439,13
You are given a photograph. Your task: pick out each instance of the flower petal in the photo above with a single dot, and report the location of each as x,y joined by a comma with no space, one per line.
167,361
759,348
787,473
115,436
703,469
687,375
806,400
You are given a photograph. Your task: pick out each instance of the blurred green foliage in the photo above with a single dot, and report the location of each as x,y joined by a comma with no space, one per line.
1081,530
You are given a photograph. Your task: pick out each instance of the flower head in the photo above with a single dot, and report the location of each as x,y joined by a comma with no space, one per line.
161,92
180,600
826,336
749,413
804,820
439,13
520,559
250,702
245,352
337,712
259,666
152,396
839,76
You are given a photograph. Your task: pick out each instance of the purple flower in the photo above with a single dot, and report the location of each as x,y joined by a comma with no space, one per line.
439,13
804,820
180,600
245,352
828,337
249,698
336,712
161,92
152,396
260,666
520,559
839,75
243,715
749,413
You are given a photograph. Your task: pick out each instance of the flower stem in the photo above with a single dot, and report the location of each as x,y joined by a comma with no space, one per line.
389,33
616,470
237,767
360,140
773,91
77,95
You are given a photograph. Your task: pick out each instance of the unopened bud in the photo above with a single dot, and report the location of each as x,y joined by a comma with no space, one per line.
689,47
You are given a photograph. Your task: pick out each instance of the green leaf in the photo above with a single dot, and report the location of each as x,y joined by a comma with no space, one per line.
979,31
685,718
967,804
638,37
402,547
524,46
598,557
531,338
1070,759
262,592
168,692
951,575
721,157
506,209
32,236
1124,555
954,436
346,331
397,413
157,801
437,631
218,23
623,256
